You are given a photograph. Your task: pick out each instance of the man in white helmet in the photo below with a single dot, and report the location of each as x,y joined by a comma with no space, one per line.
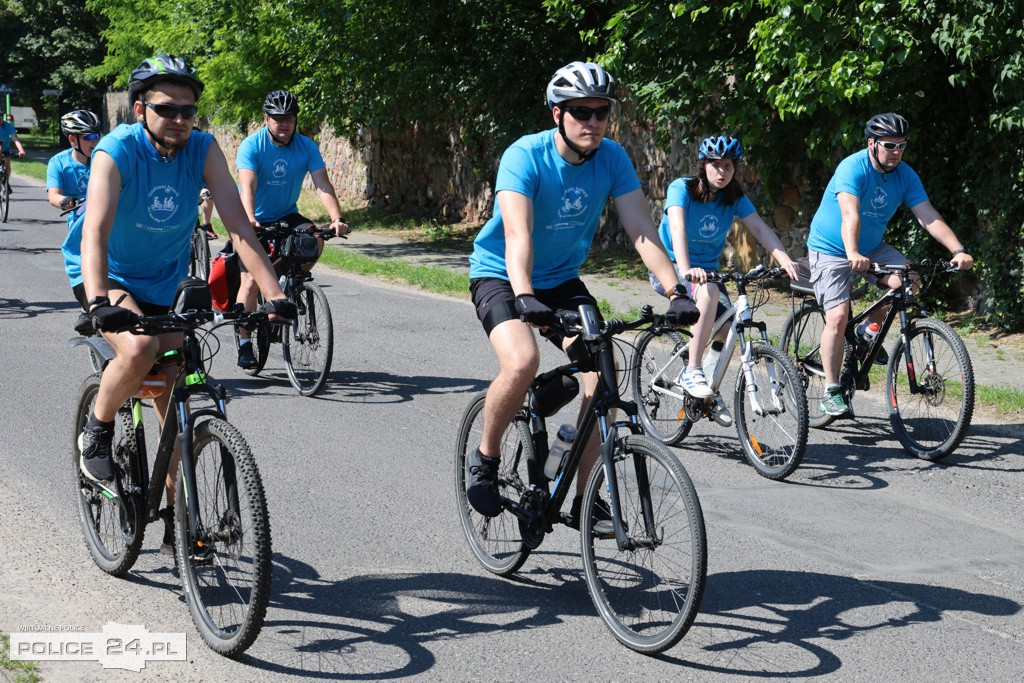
550,192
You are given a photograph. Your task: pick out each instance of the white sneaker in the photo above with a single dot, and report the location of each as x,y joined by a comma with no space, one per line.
695,384
720,413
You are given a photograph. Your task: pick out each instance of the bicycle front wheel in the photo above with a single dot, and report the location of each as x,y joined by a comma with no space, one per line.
801,341
5,199
655,365
225,565
648,592
932,422
496,542
112,525
199,265
771,413
308,344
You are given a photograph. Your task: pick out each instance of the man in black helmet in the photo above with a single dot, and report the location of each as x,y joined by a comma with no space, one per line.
272,163
846,235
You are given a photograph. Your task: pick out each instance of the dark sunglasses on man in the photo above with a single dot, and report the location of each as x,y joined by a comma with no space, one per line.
173,111
584,113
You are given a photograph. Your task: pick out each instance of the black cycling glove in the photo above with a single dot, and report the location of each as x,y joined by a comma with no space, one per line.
682,312
110,318
284,308
533,311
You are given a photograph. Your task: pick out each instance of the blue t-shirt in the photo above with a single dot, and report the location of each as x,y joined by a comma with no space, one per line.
880,195
148,249
707,224
567,205
6,131
69,176
279,171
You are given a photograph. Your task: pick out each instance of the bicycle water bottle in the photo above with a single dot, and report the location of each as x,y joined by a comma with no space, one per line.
559,448
711,360
868,332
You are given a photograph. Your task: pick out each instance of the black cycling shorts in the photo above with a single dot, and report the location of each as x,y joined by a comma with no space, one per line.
144,306
496,302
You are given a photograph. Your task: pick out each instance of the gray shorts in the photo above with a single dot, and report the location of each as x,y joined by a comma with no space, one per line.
830,275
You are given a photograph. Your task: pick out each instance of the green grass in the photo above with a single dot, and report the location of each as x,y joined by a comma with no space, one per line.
429,278
33,169
22,671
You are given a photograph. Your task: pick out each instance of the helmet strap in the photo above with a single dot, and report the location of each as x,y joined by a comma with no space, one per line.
77,146
157,141
874,153
584,156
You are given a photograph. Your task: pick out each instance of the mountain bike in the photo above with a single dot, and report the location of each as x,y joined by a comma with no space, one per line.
929,380
769,407
199,247
307,344
221,527
646,578
5,198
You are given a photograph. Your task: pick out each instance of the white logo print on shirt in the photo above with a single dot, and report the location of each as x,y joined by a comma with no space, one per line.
163,203
880,199
574,202
709,227
280,168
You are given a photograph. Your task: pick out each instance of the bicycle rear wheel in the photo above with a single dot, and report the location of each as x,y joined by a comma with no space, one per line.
199,264
225,567
649,592
931,423
801,341
774,438
112,526
657,396
308,345
496,542
5,199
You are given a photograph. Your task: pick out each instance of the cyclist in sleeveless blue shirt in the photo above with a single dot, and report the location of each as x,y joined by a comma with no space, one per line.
847,229
67,173
272,164
134,238
549,195
699,212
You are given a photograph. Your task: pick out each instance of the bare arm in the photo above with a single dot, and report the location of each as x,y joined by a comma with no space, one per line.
770,241
54,196
517,218
16,141
100,210
325,190
635,214
247,193
240,230
849,208
931,221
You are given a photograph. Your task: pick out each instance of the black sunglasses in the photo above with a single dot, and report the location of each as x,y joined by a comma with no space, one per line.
584,113
891,146
172,111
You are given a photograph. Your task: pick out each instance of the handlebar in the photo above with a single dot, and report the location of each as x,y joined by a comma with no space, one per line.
279,229
585,323
78,201
176,322
938,265
758,272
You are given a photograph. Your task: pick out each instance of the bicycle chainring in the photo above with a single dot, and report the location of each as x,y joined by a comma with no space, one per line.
534,501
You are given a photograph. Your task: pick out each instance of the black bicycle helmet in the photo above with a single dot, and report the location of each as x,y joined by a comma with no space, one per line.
79,122
281,103
162,68
887,126
720,147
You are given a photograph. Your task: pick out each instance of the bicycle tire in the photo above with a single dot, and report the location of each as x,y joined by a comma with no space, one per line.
199,257
647,596
774,442
227,581
308,343
495,541
661,415
113,531
801,341
5,199
261,343
928,425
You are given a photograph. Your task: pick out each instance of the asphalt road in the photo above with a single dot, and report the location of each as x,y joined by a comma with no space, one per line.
867,565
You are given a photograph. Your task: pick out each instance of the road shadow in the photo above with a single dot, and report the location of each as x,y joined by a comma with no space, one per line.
19,308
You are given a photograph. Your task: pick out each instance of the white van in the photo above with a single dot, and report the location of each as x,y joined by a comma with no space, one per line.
24,118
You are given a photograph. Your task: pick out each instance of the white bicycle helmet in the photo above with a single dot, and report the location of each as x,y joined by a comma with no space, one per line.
580,79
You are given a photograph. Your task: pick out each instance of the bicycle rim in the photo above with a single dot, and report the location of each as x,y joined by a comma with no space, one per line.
227,578
496,541
111,526
774,434
932,423
647,594
309,341
661,413
801,341
200,264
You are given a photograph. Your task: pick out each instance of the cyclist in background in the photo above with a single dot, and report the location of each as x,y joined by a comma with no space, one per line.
699,212
9,137
846,235
272,164
128,251
549,195
67,173
206,206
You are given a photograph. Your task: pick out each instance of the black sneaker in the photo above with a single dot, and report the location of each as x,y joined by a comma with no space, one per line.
604,527
246,358
483,484
97,454
167,547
